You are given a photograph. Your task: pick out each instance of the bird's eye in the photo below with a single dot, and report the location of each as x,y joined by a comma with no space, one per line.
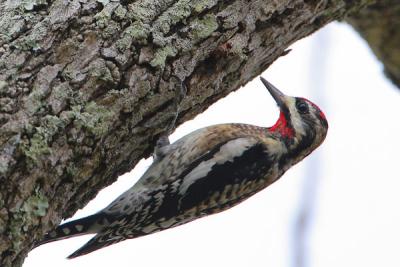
302,107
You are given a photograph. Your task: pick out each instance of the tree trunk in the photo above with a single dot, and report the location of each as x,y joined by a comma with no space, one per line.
86,88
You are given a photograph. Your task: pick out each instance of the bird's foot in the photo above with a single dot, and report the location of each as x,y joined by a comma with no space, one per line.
161,148
162,144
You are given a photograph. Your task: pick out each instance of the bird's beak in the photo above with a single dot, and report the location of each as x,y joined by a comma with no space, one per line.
276,94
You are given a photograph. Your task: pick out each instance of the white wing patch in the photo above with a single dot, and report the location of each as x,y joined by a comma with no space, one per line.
227,153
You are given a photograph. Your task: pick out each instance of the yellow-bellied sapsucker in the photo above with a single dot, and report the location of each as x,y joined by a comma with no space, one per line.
205,172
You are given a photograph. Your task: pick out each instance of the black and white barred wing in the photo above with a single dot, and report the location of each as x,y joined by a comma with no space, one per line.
216,180
225,176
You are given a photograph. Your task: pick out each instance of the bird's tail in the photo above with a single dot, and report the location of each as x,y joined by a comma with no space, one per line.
97,242
83,226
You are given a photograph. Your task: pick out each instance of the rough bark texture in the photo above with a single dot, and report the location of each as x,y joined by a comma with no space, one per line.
379,25
86,88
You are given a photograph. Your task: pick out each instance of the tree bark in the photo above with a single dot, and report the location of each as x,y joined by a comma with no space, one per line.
86,88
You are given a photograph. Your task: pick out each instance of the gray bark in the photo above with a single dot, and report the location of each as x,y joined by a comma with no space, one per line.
86,88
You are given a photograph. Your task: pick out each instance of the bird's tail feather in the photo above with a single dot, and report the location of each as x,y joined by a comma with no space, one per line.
83,226
97,242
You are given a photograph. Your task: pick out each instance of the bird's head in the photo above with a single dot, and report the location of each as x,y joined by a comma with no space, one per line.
301,123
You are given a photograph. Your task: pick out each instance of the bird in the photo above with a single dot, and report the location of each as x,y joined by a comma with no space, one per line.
205,172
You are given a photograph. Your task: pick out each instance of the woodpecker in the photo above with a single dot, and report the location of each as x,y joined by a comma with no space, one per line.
205,172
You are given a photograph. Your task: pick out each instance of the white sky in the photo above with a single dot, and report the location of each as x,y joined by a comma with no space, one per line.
357,218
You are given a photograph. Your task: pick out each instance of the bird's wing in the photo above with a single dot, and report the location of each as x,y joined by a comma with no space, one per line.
221,175
226,175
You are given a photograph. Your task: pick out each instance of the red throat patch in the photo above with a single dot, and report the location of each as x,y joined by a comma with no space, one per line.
281,126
